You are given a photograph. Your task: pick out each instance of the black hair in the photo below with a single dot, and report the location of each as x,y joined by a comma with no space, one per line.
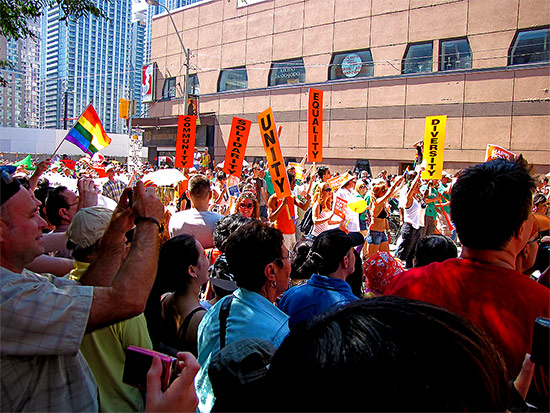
175,257
492,198
221,175
54,202
226,226
434,248
82,254
388,354
321,171
41,194
249,249
299,271
355,279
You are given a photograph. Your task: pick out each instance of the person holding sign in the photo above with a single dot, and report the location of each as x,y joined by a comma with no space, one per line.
282,213
379,236
323,215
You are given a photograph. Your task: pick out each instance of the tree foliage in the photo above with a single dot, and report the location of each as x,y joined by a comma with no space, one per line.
15,13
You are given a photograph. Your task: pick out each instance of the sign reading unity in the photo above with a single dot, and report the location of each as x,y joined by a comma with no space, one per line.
315,126
434,145
236,146
185,141
273,153
495,151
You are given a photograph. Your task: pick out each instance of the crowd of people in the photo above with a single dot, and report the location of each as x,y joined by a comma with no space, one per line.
354,293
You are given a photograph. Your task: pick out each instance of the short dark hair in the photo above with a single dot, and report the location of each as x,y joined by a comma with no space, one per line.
321,171
434,248
409,356
221,175
249,249
54,202
226,226
493,198
199,185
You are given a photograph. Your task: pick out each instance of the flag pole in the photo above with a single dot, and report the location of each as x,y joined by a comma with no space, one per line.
67,134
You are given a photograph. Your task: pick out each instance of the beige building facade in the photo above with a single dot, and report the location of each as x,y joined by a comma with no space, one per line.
384,65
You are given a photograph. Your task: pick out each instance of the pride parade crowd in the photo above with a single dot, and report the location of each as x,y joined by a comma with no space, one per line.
350,287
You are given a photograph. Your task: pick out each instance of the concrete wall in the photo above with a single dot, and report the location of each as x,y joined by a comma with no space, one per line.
44,141
381,117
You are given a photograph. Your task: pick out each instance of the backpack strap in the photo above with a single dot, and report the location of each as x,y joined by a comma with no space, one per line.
224,314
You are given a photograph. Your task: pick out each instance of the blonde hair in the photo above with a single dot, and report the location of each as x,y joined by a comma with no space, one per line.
318,194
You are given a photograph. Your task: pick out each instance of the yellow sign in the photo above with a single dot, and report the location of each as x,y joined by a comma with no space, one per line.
434,145
124,109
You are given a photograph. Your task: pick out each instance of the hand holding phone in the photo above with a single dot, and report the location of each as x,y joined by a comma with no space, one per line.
541,342
139,361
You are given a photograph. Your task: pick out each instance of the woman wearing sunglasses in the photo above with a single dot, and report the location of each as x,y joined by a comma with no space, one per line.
247,205
322,210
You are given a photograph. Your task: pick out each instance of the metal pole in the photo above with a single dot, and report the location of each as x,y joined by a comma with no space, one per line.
65,111
186,84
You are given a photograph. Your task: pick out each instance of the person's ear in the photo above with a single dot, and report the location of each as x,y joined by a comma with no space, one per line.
63,214
192,271
270,271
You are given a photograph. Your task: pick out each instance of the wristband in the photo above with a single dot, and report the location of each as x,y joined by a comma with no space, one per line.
137,220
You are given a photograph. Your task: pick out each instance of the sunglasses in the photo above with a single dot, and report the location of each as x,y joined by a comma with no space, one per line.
327,190
247,205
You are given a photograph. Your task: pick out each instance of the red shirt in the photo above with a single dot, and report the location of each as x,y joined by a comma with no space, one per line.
502,302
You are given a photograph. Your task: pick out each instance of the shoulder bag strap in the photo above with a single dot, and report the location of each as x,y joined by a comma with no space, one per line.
224,314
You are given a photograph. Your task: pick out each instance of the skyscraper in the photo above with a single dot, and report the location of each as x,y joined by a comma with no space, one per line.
83,61
19,99
137,57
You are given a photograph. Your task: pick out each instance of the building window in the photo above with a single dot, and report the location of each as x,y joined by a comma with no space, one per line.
287,72
169,88
194,86
347,65
530,46
455,54
233,79
418,58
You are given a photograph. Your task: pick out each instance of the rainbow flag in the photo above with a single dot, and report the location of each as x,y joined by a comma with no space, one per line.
88,133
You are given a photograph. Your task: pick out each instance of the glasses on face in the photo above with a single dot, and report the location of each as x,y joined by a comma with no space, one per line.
362,187
247,205
327,190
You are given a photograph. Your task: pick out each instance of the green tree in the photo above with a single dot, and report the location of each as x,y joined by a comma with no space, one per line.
15,13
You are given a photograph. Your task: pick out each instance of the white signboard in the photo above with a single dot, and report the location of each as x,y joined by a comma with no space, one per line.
134,154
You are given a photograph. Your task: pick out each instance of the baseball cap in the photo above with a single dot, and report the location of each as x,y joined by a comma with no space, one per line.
334,244
221,276
88,226
8,185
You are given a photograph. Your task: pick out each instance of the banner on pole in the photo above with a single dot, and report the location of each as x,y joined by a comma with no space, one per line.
236,146
134,154
273,153
185,141
495,151
434,146
315,126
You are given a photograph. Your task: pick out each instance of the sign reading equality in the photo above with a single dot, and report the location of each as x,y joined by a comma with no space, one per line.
236,146
185,141
315,126
273,153
434,146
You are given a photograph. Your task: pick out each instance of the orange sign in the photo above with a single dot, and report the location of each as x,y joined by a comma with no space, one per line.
273,153
336,182
315,126
495,151
236,146
340,207
185,141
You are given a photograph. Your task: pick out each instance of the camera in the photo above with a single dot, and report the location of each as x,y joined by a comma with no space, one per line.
137,365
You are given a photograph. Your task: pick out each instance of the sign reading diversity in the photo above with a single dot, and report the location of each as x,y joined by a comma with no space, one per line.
273,153
236,146
434,145
495,151
185,141
315,126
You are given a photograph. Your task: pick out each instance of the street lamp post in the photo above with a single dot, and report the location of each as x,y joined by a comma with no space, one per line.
185,51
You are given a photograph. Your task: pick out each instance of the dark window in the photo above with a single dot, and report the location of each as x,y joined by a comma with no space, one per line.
455,54
233,79
418,58
287,72
194,86
347,65
530,46
169,88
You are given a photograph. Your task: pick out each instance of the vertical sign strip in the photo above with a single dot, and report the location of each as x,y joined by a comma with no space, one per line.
315,126
273,153
185,141
434,145
236,146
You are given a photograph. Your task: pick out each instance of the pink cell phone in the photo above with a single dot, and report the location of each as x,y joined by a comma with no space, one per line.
137,365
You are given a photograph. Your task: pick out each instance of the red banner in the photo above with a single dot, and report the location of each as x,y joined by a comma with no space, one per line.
315,126
236,146
185,141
